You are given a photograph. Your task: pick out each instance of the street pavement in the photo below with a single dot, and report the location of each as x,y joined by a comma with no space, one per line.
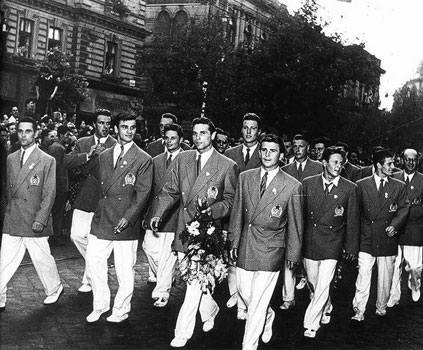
28,324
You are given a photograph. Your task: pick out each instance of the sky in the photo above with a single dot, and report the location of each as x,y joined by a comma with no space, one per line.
390,29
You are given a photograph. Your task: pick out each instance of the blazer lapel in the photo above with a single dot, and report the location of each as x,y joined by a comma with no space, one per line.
274,189
208,171
328,202
254,188
122,167
371,189
27,168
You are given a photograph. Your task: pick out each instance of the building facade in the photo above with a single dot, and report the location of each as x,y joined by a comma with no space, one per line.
103,36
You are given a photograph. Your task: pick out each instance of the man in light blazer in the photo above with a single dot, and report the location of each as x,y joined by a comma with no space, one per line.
266,228
31,190
410,249
300,168
247,157
331,227
84,156
200,174
383,210
157,246
125,173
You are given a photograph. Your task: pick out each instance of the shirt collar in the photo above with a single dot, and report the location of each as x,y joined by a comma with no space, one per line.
410,176
28,151
378,178
102,139
303,164
334,182
252,148
174,154
270,174
126,146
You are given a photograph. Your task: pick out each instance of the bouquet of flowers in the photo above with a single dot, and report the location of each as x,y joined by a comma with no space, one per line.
207,250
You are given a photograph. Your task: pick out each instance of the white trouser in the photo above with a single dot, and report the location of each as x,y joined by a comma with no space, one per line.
288,288
157,247
385,271
256,289
80,230
195,300
413,254
319,275
11,254
125,257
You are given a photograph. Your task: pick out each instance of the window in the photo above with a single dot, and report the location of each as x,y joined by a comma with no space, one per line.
180,22
232,29
248,35
54,38
111,57
163,23
26,29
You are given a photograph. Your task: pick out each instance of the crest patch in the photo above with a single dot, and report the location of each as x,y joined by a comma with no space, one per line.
276,211
130,179
34,180
393,207
417,201
339,210
212,192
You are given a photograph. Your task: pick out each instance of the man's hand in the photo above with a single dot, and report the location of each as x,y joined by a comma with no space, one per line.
122,224
390,231
234,254
154,223
291,264
96,150
349,257
207,210
37,227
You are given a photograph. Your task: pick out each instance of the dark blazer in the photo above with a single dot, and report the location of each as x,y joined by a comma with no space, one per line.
157,147
311,168
235,153
89,191
124,193
269,229
351,172
412,231
31,191
366,171
331,223
161,176
58,151
216,183
379,212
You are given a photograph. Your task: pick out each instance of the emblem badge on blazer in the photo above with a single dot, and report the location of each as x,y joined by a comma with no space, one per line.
130,179
34,180
393,207
212,192
276,211
31,166
417,201
412,187
386,195
339,210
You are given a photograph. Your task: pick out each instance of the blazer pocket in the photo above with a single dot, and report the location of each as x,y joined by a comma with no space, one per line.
276,243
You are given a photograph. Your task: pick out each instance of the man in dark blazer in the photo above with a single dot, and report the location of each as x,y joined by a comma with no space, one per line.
300,168
266,228
410,250
247,157
157,246
158,146
31,189
216,181
349,171
125,173
384,210
58,151
84,156
331,227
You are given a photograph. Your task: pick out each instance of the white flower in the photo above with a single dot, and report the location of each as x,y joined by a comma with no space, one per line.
193,228
210,230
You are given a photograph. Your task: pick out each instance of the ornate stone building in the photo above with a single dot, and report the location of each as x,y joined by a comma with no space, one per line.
104,37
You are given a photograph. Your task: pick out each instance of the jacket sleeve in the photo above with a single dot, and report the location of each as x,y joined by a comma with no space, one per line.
236,220
403,209
295,229
49,192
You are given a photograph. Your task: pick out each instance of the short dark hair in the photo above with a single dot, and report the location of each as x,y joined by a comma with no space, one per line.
222,132
174,127
300,137
170,116
45,133
29,120
253,117
123,116
344,145
62,129
204,120
102,111
30,99
272,138
322,139
333,150
380,156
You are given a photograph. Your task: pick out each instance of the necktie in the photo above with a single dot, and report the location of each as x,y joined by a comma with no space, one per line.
198,165
168,160
120,156
381,186
247,156
22,158
407,180
300,172
263,184
327,186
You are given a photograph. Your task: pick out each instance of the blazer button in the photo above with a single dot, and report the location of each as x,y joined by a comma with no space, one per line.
185,208
311,213
119,199
89,175
102,182
314,225
373,222
123,185
246,209
183,192
105,197
330,227
249,225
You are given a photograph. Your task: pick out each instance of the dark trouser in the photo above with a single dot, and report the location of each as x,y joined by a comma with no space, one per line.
58,212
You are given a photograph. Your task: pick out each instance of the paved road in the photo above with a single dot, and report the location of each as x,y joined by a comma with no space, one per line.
28,324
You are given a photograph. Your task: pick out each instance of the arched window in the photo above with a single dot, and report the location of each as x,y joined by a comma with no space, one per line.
163,23
180,22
